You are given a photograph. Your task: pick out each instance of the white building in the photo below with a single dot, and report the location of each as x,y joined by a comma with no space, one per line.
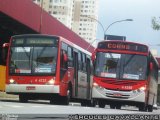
60,9
79,15
85,17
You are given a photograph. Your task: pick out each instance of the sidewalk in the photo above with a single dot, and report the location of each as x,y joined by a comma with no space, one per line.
3,96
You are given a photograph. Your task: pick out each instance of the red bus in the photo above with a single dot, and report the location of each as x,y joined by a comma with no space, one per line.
125,73
48,67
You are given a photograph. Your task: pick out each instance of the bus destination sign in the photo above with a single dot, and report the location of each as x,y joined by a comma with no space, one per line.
35,41
123,46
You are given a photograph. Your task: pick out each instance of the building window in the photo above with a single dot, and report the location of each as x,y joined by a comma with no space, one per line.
86,6
50,6
54,12
85,19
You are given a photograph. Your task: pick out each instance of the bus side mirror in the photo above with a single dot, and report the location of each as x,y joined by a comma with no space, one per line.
4,52
151,66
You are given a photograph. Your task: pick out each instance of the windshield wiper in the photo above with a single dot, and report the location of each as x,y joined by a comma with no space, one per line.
27,54
129,60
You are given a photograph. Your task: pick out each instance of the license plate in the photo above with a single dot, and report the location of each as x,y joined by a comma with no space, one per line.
30,88
117,94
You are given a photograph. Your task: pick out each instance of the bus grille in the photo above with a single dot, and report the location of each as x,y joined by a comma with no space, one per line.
119,82
113,96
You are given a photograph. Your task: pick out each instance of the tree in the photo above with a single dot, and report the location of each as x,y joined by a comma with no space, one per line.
155,24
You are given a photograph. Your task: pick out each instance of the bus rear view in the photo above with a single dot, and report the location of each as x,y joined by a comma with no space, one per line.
125,74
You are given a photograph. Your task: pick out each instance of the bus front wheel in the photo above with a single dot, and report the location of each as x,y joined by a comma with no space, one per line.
23,98
101,104
142,107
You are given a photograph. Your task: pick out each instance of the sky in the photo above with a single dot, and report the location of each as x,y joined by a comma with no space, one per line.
140,29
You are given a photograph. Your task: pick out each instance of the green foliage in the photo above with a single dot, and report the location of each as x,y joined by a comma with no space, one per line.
155,24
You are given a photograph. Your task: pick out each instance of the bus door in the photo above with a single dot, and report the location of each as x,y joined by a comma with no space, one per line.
75,59
88,77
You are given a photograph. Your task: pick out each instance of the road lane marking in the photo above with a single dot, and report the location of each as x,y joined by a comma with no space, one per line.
14,106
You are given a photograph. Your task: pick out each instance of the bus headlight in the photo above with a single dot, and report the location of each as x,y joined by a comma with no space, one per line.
51,82
12,81
141,89
97,86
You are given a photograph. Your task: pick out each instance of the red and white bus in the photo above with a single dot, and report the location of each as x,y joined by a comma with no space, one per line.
48,67
125,73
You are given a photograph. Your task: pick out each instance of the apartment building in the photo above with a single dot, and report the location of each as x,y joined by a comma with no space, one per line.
79,15
84,20
60,9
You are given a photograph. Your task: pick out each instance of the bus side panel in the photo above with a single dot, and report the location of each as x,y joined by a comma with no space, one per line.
68,78
64,85
2,77
153,83
82,85
152,95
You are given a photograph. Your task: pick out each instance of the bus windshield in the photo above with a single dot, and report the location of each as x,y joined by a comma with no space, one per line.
121,66
33,60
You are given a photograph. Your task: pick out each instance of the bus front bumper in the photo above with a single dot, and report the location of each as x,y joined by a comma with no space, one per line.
111,95
23,88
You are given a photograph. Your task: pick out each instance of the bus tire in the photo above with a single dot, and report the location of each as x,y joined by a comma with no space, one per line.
57,100
112,106
142,107
101,104
87,103
118,106
83,103
93,103
150,108
51,101
23,98
67,98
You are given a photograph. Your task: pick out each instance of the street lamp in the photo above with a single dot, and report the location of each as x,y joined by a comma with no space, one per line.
114,23
105,30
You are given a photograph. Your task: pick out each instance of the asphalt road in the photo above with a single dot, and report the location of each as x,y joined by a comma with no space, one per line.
42,110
